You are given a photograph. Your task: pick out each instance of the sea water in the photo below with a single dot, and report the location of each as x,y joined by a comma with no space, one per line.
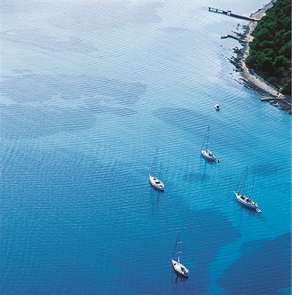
89,91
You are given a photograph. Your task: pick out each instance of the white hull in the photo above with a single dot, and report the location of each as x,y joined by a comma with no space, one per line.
180,268
155,182
208,155
246,201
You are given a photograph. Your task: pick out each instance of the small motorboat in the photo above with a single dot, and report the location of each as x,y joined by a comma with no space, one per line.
217,107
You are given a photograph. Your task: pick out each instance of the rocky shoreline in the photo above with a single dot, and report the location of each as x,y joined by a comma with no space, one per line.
248,78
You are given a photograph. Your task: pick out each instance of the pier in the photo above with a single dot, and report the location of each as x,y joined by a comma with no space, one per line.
229,13
270,98
282,97
231,36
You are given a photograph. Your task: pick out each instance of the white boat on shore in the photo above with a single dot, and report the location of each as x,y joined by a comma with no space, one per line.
178,267
206,153
243,198
153,175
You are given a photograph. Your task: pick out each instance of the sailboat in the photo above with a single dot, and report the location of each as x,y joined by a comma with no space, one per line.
206,153
178,267
155,182
242,198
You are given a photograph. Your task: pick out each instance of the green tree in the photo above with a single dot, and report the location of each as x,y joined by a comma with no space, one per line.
270,50
280,61
286,89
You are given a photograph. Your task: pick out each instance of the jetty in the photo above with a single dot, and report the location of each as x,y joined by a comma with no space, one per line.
284,98
231,36
270,98
229,13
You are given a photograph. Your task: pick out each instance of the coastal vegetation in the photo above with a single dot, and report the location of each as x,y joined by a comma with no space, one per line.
270,51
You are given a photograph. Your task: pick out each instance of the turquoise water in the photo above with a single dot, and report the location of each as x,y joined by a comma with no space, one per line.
88,92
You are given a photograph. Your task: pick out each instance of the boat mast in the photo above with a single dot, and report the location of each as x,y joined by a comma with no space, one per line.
253,182
154,164
177,246
242,181
178,243
206,139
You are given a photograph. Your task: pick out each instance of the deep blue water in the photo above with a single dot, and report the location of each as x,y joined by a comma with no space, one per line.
88,92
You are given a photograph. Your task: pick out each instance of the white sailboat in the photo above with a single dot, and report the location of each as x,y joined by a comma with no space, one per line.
178,267
153,175
206,153
242,198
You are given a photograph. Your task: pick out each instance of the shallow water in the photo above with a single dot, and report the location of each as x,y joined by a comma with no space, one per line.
88,92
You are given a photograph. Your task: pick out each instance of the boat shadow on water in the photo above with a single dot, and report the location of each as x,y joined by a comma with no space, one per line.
155,190
179,278
250,210
154,195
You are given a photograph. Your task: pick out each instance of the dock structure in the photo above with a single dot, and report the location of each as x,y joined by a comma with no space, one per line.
229,13
270,98
282,98
231,36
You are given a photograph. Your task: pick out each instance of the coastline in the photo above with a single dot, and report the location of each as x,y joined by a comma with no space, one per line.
251,80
